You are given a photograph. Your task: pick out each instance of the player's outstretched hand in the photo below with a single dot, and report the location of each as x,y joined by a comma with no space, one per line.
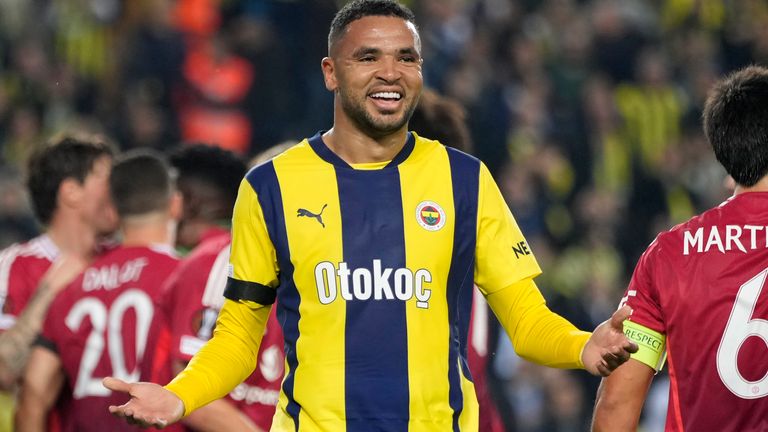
608,347
150,404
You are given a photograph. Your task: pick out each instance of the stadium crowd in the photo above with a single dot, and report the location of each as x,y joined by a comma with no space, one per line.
587,112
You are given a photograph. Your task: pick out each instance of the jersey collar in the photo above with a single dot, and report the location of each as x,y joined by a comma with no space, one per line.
322,150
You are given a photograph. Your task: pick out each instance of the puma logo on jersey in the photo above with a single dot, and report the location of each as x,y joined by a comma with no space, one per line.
306,213
375,284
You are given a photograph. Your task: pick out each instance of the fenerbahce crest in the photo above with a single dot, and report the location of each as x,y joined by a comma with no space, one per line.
430,216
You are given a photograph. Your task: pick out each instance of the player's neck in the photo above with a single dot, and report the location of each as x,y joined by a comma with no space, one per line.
72,236
760,186
355,147
148,230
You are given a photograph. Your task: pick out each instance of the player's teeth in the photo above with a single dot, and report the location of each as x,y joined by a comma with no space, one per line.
386,95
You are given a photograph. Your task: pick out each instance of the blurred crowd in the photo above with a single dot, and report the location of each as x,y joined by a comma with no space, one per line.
586,111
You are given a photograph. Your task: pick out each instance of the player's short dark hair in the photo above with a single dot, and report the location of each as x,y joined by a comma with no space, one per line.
63,157
217,168
441,118
736,124
358,9
141,183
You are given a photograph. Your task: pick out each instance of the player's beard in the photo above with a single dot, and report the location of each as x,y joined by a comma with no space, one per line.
355,109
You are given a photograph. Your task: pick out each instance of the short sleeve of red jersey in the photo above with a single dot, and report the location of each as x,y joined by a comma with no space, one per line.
187,316
642,293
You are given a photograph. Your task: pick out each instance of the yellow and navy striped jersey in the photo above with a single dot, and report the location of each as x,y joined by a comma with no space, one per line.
373,272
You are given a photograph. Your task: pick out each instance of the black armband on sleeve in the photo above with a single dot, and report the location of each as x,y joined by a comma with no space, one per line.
241,290
45,343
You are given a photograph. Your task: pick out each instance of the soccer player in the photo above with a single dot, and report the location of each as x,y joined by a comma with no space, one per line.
697,291
370,238
208,180
105,322
68,185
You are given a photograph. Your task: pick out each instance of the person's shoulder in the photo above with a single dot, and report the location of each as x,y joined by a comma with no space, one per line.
673,240
426,145
40,248
207,251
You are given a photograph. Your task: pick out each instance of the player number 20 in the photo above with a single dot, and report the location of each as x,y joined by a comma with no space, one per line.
741,326
108,322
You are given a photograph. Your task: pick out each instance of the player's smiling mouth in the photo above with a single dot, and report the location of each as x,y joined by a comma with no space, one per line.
386,100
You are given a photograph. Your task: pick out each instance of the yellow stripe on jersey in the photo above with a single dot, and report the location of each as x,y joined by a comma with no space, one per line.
253,257
307,183
427,342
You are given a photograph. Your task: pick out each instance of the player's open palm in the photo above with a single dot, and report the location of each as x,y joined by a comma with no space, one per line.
150,404
608,347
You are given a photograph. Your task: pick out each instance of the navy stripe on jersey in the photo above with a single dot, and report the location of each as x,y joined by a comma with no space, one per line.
264,181
465,174
376,374
317,144
244,290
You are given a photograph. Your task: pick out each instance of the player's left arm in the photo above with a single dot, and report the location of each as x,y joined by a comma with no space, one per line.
541,336
504,270
42,381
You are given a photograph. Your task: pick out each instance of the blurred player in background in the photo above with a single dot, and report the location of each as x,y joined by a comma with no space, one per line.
208,180
105,322
443,119
67,181
698,290
370,237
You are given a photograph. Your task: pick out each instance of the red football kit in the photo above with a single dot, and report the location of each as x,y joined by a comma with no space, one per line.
702,285
107,323
21,268
193,301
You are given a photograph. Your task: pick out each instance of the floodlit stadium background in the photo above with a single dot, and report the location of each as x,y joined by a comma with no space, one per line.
587,112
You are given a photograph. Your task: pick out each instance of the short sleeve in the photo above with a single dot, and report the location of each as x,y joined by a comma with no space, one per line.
503,256
642,294
254,271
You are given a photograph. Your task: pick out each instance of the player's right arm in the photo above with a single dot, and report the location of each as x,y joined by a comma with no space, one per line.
620,398
220,365
218,416
41,384
231,354
15,341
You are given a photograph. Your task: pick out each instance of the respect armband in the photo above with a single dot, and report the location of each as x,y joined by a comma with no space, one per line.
652,345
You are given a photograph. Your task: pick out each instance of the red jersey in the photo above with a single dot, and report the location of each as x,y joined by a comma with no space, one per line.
21,268
702,284
193,302
107,323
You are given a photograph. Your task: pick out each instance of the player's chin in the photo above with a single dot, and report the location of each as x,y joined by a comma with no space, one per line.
389,121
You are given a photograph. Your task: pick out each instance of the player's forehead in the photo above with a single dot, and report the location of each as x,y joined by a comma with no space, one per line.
383,33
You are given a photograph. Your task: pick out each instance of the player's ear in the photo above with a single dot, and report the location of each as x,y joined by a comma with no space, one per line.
176,207
329,74
71,193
